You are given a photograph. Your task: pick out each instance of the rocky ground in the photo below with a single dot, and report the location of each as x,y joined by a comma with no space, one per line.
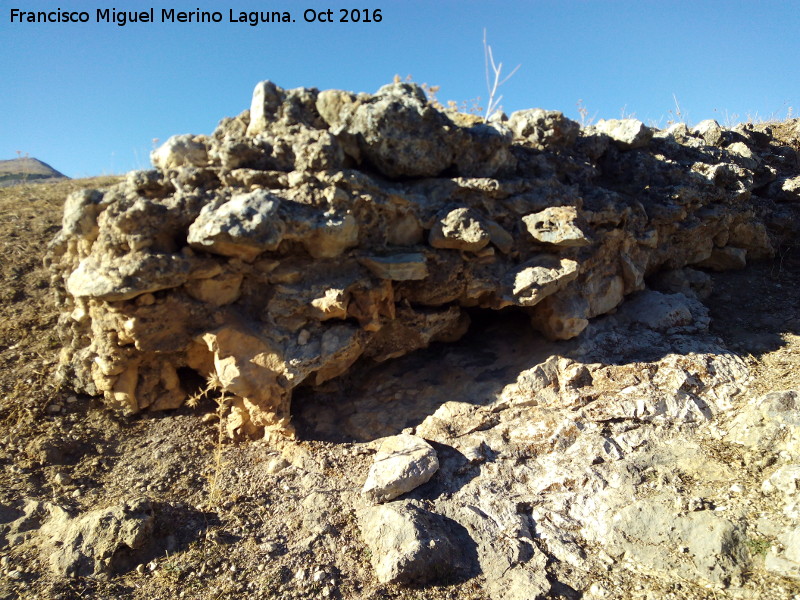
649,458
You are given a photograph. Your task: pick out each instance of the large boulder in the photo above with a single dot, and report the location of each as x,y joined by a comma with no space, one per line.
320,228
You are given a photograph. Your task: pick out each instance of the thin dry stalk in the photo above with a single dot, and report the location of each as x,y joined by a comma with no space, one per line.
494,100
214,383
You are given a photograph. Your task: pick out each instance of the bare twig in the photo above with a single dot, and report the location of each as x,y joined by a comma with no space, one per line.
492,87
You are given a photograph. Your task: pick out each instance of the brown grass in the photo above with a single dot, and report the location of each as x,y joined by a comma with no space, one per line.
30,216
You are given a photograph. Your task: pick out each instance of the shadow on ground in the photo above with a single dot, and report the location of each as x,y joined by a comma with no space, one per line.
752,311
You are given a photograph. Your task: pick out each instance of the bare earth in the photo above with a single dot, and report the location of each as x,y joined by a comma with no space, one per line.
249,520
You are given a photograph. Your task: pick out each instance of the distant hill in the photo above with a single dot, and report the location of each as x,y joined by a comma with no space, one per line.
26,170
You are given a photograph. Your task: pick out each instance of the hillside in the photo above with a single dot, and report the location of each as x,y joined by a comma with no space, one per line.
26,170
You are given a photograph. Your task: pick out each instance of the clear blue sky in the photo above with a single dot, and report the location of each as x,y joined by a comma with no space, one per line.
90,98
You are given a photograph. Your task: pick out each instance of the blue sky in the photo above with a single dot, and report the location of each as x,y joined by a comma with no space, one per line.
90,98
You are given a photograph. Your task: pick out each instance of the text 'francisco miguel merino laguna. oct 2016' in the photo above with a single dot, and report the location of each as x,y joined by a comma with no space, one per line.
171,15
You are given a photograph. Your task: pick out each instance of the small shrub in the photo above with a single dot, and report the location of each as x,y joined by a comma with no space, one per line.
758,546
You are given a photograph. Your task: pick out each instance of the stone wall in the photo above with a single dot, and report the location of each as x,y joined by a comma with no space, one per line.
319,228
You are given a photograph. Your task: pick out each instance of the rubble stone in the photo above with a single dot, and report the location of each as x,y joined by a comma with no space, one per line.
544,128
402,463
93,543
410,545
710,131
558,226
626,133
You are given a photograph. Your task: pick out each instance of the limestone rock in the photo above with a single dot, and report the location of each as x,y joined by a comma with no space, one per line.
561,316
743,155
485,151
17,523
678,131
410,545
785,480
130,275
503,240
267,98
544,128
248,367
541,276
336,106
401,134
81,210
710,131
511,562
626,133
397,267
689,282
790,188
753,237
460,229
659,312
243,227
217,291
329,237
557,225
715,546
181,151
402,463
95,542
785,561
318,228
772,425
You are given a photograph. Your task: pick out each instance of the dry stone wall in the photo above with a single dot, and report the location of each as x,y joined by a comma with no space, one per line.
319,228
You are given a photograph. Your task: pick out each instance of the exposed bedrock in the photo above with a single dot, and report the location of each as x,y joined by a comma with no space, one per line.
319,228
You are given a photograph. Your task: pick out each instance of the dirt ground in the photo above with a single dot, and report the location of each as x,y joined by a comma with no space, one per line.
232,528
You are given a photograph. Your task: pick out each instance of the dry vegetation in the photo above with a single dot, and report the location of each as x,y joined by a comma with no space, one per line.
30,215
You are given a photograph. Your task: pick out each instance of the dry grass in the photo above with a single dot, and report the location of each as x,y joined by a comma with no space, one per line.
30,216
214,388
